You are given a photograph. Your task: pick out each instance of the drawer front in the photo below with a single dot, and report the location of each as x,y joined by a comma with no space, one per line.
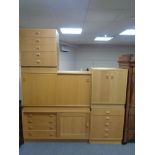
37,40
39,59
108,110
107,127
38,32
38,47
39,121
39,134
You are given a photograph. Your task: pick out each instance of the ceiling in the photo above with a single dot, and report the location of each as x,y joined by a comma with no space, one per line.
95,17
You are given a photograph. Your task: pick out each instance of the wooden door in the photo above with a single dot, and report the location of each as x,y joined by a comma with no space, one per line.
109,86
38,89
73,125
73,90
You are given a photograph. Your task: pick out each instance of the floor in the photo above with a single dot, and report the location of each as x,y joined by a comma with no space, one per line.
59,148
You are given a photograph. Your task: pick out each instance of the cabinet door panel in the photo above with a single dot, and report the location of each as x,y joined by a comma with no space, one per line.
109,86
39,89
73,90
74,125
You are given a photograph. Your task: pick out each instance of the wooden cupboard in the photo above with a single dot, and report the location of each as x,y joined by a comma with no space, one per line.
39,89
73,89
48,89
41,123
128,62
107,124
107,105
73,125
109,86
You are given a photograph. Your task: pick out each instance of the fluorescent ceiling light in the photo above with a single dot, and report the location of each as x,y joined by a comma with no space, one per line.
71,30
128,32
105,38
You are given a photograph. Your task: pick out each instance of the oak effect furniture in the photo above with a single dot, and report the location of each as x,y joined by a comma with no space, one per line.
67,105
107,105
128,62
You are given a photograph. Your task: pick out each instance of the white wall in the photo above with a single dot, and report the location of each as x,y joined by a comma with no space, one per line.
99,55
67,59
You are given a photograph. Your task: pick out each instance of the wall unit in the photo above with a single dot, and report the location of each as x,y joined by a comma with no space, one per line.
107,105
128,62
75,105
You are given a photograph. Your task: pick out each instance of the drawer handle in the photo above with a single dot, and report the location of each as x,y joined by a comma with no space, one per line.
38,61
111,76
106,135
107,112
38,48
30,127
37,33
37,41
30,134
38,54
51,128
107,124
51,122
87,80
107,76
107,118
106,130
29,121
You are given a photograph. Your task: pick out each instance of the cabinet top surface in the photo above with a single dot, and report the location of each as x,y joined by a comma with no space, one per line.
73,72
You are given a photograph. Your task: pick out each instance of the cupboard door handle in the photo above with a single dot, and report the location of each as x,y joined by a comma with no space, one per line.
112,77
107,76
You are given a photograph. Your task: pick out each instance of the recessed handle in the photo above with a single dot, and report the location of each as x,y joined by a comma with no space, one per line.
107,124
106,130
111,76
30,134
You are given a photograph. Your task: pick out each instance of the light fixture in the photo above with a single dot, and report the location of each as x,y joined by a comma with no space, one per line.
128,32
105,38
71,30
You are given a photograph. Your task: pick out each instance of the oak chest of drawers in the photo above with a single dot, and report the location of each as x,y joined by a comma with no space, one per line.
38,47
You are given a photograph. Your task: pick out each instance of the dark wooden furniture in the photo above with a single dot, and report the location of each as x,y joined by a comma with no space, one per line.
128,62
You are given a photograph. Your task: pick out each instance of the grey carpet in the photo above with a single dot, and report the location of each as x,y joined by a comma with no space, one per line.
58,148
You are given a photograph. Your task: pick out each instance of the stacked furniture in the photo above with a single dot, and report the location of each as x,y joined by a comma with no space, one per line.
107,105
67,105
128,62
55,104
